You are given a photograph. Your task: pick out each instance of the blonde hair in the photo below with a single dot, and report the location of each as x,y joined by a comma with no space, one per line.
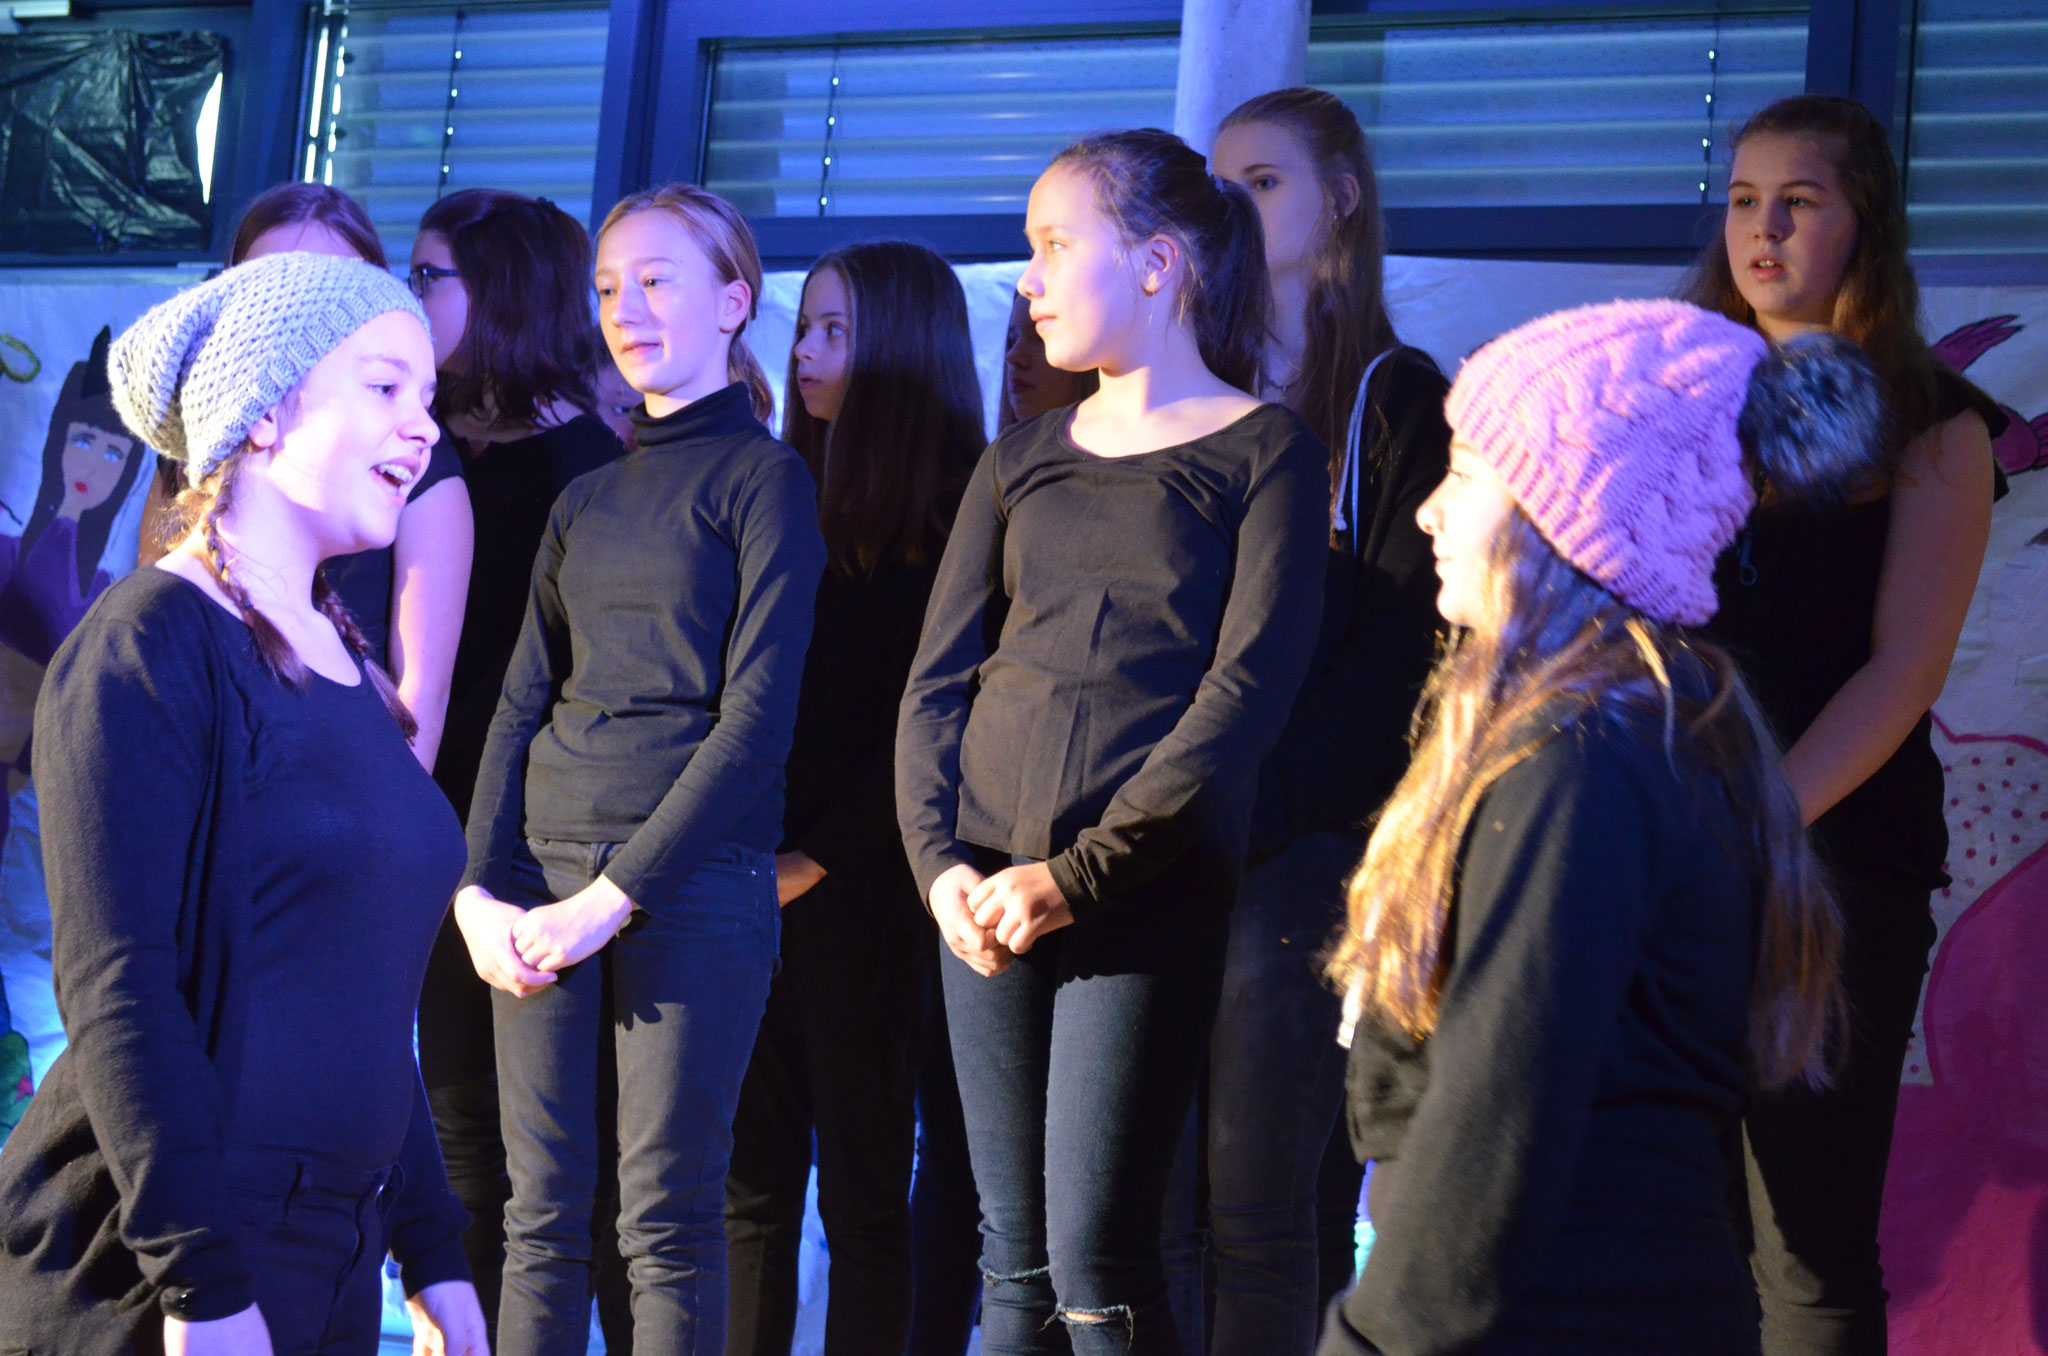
728,243
1551,641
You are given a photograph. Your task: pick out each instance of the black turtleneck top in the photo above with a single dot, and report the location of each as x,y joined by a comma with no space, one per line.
653,691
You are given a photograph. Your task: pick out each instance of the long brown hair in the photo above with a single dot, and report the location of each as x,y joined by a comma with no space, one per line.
1551,641
1151,183
1878,301
891,465
529,340
295,204
728,242
1347,321
200,509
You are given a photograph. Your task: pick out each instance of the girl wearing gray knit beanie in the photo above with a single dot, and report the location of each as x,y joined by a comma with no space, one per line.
246,865
1588,922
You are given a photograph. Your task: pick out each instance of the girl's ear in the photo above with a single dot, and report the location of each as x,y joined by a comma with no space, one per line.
1158,264
263,433
735,299
1344,195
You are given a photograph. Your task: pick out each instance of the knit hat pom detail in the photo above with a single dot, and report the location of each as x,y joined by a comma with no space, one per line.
1614,427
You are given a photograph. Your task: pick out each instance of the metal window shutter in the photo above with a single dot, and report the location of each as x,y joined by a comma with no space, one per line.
1977,141
1602,111
913,128
1585,112
523,114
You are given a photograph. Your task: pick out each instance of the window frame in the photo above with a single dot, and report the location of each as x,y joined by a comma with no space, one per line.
1625,232
656,98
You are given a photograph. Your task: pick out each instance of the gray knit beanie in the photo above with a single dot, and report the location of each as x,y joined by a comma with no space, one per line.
193,376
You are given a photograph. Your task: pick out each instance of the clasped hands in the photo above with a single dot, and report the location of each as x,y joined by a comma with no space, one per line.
988,921
521,950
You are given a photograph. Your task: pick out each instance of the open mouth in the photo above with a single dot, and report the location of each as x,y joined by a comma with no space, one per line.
81,487
399,475
1766,265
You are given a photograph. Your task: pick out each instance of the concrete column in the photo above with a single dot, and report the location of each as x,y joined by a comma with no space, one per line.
1229,51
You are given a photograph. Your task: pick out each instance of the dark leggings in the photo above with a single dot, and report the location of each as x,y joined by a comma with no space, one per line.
1816,1161
833,1068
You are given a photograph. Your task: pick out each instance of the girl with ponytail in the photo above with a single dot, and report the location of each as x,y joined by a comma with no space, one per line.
1122,616
247,865
621,884
1588,921
1846,622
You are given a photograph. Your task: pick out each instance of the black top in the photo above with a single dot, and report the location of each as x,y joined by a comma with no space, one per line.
364,580
512,485
1798,601
1346,743
651,697
1552,1152
842,805
244,884
1113,643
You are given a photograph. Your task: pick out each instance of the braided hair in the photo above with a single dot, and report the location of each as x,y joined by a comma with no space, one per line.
200,510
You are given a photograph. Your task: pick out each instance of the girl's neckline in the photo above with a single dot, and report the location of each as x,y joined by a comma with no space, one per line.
232,615
1066,436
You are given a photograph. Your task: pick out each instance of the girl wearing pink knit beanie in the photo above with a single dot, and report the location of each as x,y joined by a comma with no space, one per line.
1588,922
1846,622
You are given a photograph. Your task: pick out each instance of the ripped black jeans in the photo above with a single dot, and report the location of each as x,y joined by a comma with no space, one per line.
1077,1066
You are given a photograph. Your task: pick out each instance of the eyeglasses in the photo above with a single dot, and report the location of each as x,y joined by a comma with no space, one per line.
425,275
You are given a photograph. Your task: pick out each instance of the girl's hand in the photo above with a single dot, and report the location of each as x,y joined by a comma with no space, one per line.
486,923
243,1334
447,1320
795,874
1020,905
555,936
968,940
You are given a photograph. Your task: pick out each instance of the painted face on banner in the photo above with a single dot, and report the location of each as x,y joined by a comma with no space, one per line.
93,461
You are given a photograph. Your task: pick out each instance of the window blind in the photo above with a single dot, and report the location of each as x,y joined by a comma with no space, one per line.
418,101
1977,138
1617,109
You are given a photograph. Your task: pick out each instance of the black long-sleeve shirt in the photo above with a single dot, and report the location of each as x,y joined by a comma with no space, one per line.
842,805
1346,743
244,883
512,487
1112,645
652,694
1552,1155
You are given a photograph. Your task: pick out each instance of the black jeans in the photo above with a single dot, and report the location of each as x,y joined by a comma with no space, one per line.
314,1236
834,1063
1276,1088
1816,1161
945,1212
679,994
1077,1067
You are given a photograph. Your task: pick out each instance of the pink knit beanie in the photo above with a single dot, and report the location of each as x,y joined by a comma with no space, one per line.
1615,428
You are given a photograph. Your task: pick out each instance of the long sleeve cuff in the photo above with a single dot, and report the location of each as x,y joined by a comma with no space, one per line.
219,1288
442,1262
